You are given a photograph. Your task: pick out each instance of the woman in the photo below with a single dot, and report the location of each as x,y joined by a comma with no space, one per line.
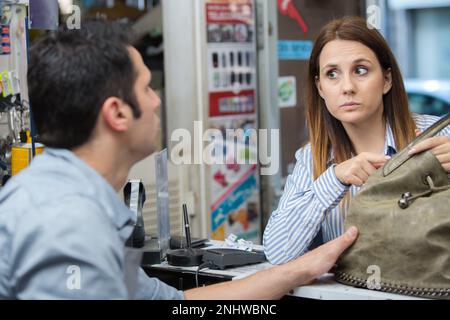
358,116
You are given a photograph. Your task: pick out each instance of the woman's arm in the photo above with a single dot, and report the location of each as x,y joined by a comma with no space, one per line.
302,208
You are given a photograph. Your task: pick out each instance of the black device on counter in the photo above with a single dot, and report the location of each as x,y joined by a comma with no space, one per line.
134,197
135,201
222,258
186,257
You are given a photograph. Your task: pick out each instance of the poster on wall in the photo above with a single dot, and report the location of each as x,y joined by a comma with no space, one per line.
232,80
234,179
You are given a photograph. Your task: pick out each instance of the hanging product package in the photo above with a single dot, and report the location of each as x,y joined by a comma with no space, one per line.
403,216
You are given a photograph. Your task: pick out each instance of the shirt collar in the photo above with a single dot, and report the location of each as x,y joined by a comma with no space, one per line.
389,145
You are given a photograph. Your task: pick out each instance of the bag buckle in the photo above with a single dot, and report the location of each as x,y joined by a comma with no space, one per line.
407,198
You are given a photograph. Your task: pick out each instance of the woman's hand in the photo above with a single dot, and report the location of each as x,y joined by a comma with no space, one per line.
358,169
439,146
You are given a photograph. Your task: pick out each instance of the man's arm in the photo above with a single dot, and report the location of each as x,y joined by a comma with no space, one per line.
277,281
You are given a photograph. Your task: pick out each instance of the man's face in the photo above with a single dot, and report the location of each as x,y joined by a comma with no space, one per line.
144,130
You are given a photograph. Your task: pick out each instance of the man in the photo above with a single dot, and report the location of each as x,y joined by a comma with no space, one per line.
62,226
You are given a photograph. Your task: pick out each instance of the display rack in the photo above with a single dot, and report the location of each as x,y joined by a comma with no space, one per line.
14,102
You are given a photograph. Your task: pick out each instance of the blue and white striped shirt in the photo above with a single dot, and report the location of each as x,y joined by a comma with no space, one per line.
308,206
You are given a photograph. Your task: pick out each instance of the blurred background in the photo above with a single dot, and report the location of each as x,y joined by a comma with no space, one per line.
242,64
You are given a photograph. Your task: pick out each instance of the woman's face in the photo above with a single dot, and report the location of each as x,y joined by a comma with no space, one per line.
352,82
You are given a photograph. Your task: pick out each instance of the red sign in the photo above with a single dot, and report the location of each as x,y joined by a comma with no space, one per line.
226,13
229,103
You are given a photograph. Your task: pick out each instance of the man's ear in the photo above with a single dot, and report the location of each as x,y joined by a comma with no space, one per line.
116,114
318,86
387,81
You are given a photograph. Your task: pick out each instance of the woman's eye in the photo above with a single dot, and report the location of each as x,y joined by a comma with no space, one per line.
332,74
361,71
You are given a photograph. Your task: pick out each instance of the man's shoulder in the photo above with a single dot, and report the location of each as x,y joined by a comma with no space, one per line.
18,204
30,190
41,184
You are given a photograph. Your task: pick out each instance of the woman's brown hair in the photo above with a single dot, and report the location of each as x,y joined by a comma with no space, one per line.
326,132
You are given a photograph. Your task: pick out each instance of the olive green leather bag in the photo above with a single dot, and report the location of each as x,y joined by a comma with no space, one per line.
403,216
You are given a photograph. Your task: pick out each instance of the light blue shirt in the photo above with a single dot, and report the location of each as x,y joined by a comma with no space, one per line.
308,206
62,236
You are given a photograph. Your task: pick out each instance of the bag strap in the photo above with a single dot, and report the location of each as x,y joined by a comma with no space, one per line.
403,155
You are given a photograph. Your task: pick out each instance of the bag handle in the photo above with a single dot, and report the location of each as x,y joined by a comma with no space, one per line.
403,155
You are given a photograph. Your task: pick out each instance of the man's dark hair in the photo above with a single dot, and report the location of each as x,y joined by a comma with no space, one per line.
71,73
